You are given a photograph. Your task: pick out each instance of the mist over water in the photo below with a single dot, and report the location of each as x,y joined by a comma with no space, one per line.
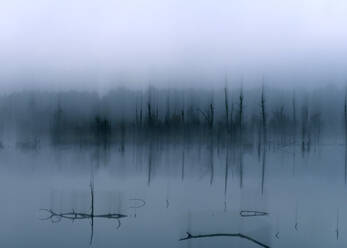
173,123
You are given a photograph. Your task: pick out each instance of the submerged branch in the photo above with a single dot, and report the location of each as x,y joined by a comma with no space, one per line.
57,217
239,235
141,201
247,213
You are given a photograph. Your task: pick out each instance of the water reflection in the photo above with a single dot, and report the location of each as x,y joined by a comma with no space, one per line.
160,191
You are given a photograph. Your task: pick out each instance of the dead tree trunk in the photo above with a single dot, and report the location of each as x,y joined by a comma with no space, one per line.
241,114
345,129
263,114
294,118
226,102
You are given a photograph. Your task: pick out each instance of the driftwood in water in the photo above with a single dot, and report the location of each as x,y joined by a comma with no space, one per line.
56,217
247,213
239,235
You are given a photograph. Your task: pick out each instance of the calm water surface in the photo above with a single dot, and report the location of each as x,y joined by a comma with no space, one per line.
185,189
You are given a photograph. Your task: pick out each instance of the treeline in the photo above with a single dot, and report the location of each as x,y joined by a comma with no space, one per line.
229,115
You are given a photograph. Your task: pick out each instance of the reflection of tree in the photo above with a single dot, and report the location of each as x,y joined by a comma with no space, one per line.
239,235
56,217
58,125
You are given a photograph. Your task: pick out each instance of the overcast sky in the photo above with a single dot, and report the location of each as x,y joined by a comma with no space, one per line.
51,44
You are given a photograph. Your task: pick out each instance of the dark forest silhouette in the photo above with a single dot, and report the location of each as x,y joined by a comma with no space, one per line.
242,117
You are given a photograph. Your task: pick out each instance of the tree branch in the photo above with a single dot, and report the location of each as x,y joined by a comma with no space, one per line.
239,235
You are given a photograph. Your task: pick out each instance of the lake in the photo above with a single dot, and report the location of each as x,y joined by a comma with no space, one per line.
153,195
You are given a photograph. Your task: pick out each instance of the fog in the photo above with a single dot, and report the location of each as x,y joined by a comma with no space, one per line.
172,123
99,45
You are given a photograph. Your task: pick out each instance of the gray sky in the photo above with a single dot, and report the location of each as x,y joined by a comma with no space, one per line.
88,44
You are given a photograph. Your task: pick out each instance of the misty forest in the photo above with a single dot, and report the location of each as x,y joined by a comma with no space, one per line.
172,123
251,117
232,162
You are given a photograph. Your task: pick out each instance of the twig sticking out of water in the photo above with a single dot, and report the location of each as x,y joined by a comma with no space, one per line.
277,235
337,224
239,235
296,218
